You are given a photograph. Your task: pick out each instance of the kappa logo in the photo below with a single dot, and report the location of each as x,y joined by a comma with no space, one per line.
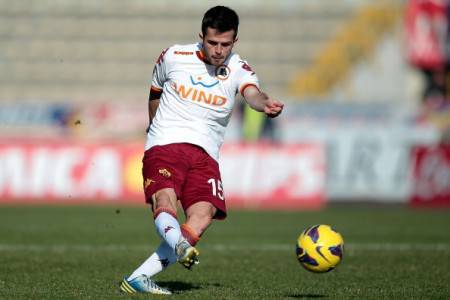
164,173
167,229
148,182
164,262
183,53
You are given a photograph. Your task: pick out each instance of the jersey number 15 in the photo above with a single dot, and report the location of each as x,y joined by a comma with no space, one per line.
217,189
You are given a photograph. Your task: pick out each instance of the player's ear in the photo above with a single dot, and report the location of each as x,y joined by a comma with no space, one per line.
236,40
200,36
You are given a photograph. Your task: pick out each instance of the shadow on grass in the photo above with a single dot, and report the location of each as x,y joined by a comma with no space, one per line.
306,296
178,286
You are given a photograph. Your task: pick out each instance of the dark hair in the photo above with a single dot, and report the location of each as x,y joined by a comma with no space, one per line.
220,18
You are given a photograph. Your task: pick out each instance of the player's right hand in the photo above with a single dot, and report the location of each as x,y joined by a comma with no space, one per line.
273,108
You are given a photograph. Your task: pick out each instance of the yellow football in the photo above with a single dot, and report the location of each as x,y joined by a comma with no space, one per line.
320,248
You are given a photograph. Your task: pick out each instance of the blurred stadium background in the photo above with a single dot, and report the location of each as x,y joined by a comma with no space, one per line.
75,78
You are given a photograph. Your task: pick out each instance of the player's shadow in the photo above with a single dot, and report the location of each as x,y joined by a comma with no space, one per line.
178,286
306,296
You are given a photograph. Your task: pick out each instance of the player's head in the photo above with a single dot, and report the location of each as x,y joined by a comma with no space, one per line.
219,33
222,19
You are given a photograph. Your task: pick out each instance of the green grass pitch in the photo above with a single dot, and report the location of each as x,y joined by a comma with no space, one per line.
82,252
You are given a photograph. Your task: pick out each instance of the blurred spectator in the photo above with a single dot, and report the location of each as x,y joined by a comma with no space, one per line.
426,27
256,126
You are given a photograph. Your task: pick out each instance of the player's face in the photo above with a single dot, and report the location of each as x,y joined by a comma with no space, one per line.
217,45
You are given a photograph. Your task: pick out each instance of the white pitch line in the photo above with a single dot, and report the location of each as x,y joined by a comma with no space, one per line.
350,247
347,247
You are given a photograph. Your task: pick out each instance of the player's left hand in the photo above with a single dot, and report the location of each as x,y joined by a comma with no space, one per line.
273,108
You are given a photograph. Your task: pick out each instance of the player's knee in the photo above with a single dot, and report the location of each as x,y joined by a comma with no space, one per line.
165,198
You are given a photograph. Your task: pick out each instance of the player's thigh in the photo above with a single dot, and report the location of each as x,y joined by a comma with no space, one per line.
204,184
165,198
163,170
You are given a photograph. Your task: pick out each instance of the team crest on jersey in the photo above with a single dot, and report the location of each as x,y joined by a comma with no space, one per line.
222,72
164,173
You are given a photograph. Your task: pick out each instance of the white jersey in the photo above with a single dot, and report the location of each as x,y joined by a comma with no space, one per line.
197,98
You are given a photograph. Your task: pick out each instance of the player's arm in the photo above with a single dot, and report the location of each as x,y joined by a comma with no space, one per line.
158,79
262,102
153,103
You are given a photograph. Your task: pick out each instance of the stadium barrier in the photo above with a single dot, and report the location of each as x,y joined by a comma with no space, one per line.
367,146
254,176
274,176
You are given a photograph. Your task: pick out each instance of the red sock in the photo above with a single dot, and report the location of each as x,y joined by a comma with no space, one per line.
189,234
166,210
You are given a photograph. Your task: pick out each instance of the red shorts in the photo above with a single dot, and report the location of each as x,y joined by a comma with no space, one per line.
189,170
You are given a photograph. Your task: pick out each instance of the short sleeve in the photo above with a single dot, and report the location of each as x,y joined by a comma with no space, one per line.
160,71
246,77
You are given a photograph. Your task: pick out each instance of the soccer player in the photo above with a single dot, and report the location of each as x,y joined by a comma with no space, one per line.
190,103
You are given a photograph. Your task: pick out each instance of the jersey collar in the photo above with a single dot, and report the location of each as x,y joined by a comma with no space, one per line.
202,56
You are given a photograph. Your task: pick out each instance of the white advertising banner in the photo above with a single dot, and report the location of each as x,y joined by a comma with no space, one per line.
365,163
367,146
368,164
